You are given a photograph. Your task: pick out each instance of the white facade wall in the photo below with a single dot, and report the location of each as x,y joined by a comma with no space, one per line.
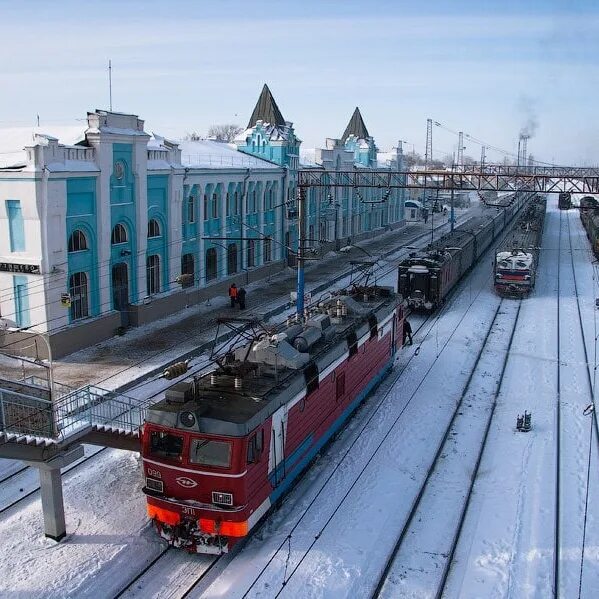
41,188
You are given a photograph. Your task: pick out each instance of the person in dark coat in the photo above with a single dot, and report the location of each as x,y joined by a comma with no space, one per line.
407,332
233,294
241,293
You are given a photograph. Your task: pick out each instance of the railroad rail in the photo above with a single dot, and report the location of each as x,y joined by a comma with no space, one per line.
441,555
278,555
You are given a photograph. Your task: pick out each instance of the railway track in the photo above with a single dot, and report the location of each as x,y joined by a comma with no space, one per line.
431,556
279,554
575,392
388,386
23,479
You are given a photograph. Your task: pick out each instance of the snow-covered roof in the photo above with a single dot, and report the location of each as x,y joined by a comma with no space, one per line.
14,140
413,204
214,154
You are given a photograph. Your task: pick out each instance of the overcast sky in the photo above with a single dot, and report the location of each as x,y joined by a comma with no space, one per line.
488,68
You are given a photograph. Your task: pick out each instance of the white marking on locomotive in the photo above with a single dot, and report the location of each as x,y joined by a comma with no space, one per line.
186,482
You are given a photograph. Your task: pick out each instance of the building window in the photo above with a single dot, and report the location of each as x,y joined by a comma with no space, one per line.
188,268
77,241
231,258
21,301
16,227
153,228
251,253
119,234
153,274
236,203
227,206
191,210
267,249
211,264
79,296
205,207
254,201
214,205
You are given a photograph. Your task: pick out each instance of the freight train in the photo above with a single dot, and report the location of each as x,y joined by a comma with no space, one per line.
426,278
517,257
564,201
589,215
221,449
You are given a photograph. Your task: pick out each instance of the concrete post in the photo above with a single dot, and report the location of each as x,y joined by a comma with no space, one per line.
51,491
52,503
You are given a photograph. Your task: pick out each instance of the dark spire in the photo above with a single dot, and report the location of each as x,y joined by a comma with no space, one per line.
266,110
356,127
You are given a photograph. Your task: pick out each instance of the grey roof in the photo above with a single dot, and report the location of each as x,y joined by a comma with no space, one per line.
266,110
356,127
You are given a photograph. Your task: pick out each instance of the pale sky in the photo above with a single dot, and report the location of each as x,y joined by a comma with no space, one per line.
485,67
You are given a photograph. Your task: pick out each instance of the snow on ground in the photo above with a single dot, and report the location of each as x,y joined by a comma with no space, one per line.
507,543
507,539
374,487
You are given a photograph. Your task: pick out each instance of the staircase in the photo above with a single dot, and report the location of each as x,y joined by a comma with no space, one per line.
34,428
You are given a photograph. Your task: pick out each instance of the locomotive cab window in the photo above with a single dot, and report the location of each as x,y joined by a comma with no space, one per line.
165,445
210,453
255,444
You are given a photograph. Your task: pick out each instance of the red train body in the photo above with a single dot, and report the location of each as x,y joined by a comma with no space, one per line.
219,451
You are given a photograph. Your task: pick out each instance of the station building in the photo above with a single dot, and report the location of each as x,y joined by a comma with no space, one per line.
112,227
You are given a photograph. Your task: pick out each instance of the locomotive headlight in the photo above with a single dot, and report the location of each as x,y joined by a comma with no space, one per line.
187,419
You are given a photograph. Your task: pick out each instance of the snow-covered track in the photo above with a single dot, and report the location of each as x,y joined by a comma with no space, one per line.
426,544
331,501
575,393
172,574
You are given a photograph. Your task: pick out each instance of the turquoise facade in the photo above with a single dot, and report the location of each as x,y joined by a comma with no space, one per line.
285,152
123,211
158,211
362,155
82,216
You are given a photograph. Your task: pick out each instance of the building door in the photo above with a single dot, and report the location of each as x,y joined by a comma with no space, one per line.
231,258
120,291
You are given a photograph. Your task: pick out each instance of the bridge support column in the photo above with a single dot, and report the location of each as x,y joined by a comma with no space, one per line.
52,504
51,491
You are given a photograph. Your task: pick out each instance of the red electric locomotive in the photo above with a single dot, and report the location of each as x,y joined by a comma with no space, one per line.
220,449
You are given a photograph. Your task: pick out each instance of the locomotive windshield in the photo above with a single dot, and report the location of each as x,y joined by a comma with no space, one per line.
419,282
166,445
210,453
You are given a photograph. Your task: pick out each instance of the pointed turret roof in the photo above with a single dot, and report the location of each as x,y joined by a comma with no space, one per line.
266,110
356,127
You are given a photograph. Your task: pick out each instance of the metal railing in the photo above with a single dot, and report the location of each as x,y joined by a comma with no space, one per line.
72,413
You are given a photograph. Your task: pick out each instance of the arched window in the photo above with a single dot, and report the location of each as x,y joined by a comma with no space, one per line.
153,274
206,215
251,253
119,234
188,268
211,264
191,210
79,297
77,241
153,228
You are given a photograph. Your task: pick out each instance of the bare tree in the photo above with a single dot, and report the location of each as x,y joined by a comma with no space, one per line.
224,132
192,136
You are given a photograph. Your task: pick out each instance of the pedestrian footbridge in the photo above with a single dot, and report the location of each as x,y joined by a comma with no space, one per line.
36,427
46,430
